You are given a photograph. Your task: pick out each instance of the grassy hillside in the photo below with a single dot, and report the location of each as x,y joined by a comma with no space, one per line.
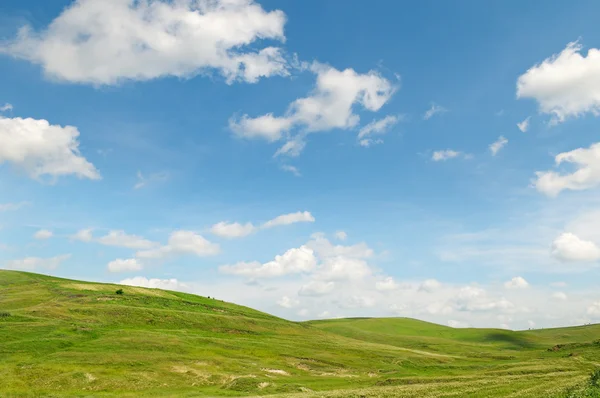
61,337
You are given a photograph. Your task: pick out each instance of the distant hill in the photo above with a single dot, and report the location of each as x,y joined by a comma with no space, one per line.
61,337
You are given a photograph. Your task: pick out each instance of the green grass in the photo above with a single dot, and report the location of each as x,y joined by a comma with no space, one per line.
61,337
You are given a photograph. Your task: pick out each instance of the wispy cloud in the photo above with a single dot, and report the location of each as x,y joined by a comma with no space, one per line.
496,146
524,125
434,110
13,206
153,178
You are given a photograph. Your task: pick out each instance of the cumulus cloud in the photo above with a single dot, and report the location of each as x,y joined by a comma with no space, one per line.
232,230
387,284
594,309
569,247
291,218
84,235
457,324
559,296
316,288
6,108
496,146
128,265
293,261
37,263
340,268
516,283
429,285
166,284
524,125
434,110
106,42
41,149
226,229
587,175
445,154
43,234
182,243
564,85
287,302
341,235
330,106
122,239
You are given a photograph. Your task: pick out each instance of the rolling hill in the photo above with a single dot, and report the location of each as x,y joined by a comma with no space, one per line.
62,337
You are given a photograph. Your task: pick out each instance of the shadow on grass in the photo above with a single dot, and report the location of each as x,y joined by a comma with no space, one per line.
510,339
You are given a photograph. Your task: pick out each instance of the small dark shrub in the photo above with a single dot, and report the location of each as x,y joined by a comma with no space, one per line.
119,292
595,378
4,314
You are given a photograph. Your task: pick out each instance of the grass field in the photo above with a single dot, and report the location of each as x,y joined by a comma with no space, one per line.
61,337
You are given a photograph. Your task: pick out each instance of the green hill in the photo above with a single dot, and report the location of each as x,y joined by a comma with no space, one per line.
61,337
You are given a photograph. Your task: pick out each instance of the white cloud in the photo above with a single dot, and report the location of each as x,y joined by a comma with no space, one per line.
41,149
516,283
36,263
303,312
43,234
325,249
387,284
341,235
594,309
291,218
292,147
226,229
445,155
330,106
496,146
153,178
6,108
586,176
368,142
434,110
287,302
340,268
293,261
12,206
167,284
122,239
564,85
524,125
268,127
316,288
291,169
232,230
106,42
84,235
377,127
569,247
457,324
182,243
430,285
559,296
128,265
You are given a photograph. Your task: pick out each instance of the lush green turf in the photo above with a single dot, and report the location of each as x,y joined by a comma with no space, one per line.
68,338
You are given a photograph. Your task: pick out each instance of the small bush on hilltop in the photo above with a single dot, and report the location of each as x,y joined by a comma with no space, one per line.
119,292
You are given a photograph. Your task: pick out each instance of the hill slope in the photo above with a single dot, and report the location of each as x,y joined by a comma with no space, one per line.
60,337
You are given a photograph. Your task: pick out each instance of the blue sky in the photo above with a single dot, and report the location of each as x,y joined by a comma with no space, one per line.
194,124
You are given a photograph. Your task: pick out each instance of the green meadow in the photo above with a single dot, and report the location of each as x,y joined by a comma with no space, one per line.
62,337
